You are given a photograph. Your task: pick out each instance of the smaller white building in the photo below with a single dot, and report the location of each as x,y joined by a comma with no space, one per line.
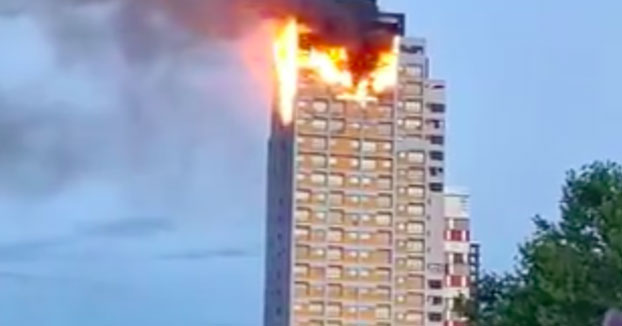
457,247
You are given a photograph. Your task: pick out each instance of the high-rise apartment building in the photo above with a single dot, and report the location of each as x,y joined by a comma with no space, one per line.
459,263
356,223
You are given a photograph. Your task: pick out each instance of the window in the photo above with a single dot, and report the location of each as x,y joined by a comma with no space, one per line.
316,308
301,177
355,144
365,236
335,235
436,107
385,129
335,290
337,125
302,215
414,316
416,157
336,198
435,284
334,272
335,217
436,140
415,281
318,178
319,124
335,253
435,317
366,181
384,256
412,49
386,164
334,309
386,146
416,264
455,235
434,123
302,289
301,270
352,235
415,228
383,219
436,171
461,224
318,161
383,292
413,70
383,273
384,183
335,180
412,106
318,143
302,232
413,88
320,106
369,164
416,174
415,299
369,146
436,187
416,191
458,258
412,124
303,195
455,281
354,180
383,312
383,237
384,110
319,197
302,251
355,162
437,155
320,216
385,201
415,245
435,300
338,108
354,199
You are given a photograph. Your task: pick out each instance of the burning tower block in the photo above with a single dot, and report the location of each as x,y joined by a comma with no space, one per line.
355,221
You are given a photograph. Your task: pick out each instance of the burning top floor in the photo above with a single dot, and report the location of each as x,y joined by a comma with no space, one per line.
356,69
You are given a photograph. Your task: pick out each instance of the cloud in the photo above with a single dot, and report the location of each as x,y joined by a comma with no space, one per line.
206,254
133,227
33,249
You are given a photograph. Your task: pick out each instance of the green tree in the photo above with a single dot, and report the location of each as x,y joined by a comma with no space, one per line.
570,271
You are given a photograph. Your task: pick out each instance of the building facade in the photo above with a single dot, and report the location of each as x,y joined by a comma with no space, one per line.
458,279
356,217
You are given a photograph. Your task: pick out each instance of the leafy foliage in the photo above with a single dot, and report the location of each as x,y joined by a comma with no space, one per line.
570,271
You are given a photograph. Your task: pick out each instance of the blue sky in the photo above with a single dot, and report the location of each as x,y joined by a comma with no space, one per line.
132,179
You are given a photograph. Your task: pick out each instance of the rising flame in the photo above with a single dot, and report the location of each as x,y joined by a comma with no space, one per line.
285,55
330,65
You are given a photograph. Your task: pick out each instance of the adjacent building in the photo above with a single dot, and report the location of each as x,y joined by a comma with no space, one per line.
459,263
360,231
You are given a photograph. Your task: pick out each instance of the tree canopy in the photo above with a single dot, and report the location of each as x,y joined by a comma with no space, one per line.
570,271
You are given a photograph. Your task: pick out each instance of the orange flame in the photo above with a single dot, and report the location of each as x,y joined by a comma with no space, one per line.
285,54
330,65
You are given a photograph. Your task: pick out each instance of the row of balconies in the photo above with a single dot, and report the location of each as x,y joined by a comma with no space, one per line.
336,254
365,313
312,322
307,290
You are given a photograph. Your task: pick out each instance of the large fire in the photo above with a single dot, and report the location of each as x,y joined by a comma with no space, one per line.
331,65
